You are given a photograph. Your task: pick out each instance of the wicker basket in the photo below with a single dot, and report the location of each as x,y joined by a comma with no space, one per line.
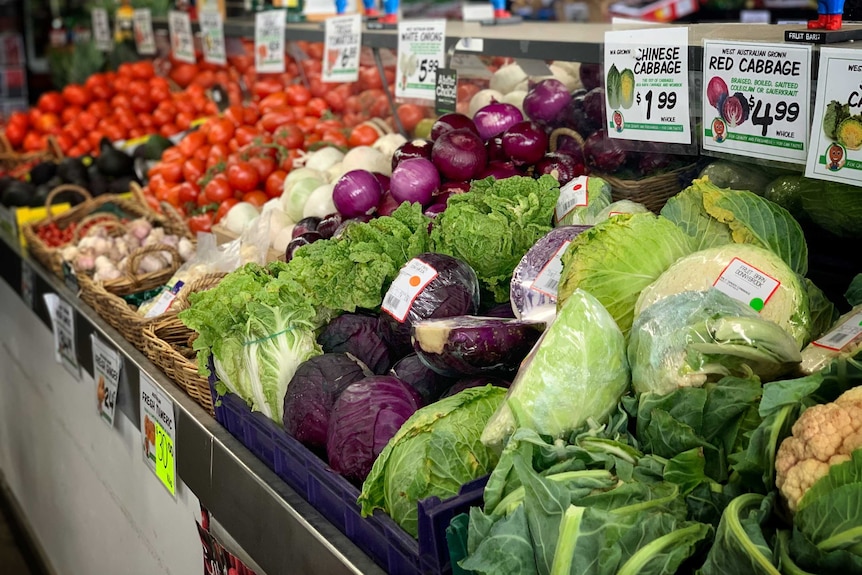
651,191
169,217
10,159
105,297
169,346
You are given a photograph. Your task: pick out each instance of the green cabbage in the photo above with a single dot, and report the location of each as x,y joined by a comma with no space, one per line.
434,453
598,199
836,208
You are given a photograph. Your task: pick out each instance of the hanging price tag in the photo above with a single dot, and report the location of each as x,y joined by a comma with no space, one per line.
755,99
212,37
647,91
101,30
63,324
446,92
182,41
835,152
145,39
342,43
269,41
27,283
421,50
107,364
158,430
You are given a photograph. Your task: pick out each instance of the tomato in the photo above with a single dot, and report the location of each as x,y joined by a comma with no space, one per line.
243,176
276,100
264,165
192,142
255,198
95,138
323,126
224,207
76,95
288,159
101,91
34,142
289,137
266,86
168,130
369,78
317,107
246,134
235,115
374,103
193,170
162,117
201,222
202,154
19,118
275,184
363,135
335,100
15,134
334,137
69,114
298,95
171,195
271,121
250,115
172,171
114,132
65,142
51,102
141,103
183,73
221,131
188,193
410,115
218,189
87,121
307,124
173,154
183,120
143,69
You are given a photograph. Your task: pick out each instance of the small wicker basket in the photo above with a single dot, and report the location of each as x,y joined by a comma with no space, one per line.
10,159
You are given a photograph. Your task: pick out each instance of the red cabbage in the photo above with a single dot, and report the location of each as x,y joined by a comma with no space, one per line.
603,153
716,90
361,335
422,378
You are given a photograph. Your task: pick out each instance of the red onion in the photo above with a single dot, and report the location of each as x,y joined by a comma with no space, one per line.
419,148
305,225
525,143
603,153
496,118
499,170
298,242
449,122
494,146
383,179
434,210
459,154
328,225
387,205
562,166
415,180
357,193
546,100
454,187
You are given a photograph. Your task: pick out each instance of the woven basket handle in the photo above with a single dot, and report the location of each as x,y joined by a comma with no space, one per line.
110,221
175,223
54,148
555,135
203,283
135,256
5,145
49,201
138,194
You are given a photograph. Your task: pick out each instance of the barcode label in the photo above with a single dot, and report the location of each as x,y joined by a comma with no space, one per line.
744,282
548,279
411,280
843,335
572,195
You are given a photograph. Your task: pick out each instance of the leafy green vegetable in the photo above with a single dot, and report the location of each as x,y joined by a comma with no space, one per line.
434,453
740,543
823,312
836,112
785,191
834,207
616,259
853,295
576,371
739,175
493,225
505,549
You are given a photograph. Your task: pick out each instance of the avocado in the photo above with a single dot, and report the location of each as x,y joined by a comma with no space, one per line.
153,148
18,194
41,173
113,162
72,171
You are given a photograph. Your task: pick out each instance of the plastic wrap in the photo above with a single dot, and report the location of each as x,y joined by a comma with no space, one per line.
428,286
581,200
577,370
844,339
470,345
747,273
690,338
533,290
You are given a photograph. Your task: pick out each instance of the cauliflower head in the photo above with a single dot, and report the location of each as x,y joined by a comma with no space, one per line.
823,436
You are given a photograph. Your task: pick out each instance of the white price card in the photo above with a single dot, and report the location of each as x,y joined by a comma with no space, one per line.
182,41
646,85
145,39
212,37
269,41
63,324
107,364
747,284
404,290
835,152
101,30
756,99
158,430
342,43
421,50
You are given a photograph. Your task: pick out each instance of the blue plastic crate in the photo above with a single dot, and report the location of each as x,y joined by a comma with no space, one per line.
335,497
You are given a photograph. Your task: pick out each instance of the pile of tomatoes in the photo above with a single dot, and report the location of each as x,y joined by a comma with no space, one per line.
54,236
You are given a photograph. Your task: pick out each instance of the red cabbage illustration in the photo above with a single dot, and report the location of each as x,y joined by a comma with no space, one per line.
716,90
734,110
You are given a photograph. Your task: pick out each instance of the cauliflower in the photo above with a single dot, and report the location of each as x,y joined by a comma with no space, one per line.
823,436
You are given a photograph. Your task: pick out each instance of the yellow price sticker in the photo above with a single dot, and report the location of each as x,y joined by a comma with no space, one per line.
165,464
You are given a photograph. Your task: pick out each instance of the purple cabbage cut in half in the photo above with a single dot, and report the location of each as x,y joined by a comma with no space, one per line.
361,335
422,378
312,392
471,345
365,417
468,382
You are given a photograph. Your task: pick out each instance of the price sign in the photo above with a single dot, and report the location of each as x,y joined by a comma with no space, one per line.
101,29
269,40
145,39
421,50
755,99
446,93
342,42
27,283
647,90
182,41
212,37
63,324
107,364
158,430
835,152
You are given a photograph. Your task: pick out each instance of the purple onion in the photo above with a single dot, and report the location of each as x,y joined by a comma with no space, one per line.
603,153
305,225
499,170
387,205
494,147
298,242
454,188
449,122
328,225
383,179
459,154
358,192
435,210
495,118
525,143
415,180
419,148
562,166
545,100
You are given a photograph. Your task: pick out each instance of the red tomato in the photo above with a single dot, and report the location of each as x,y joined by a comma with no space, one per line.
51,102
192,142
218,189
246,135
188,193
15,133
141,103
183,120
224,207
48,123
323,126
266,86
193,170
243,177
173,154
172,195
317,107
289,137
275,184
272,101
142,69
221,131
69,114
201,222
76,95
172,171
202,154
183,74
255,198
234,114
298,95
410,115
271,121
264,165
334,137
362,135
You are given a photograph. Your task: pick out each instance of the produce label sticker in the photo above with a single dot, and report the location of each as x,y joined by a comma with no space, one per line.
835,152
747,284
756,99
572,195
145,39
848,332
107,364
647,87
101,29
28,285
182,41
342,42
446,92
421,50
411,280
212,37
269,41
158,430
63,324
548,279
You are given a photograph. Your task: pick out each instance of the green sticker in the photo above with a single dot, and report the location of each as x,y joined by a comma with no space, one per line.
756,304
